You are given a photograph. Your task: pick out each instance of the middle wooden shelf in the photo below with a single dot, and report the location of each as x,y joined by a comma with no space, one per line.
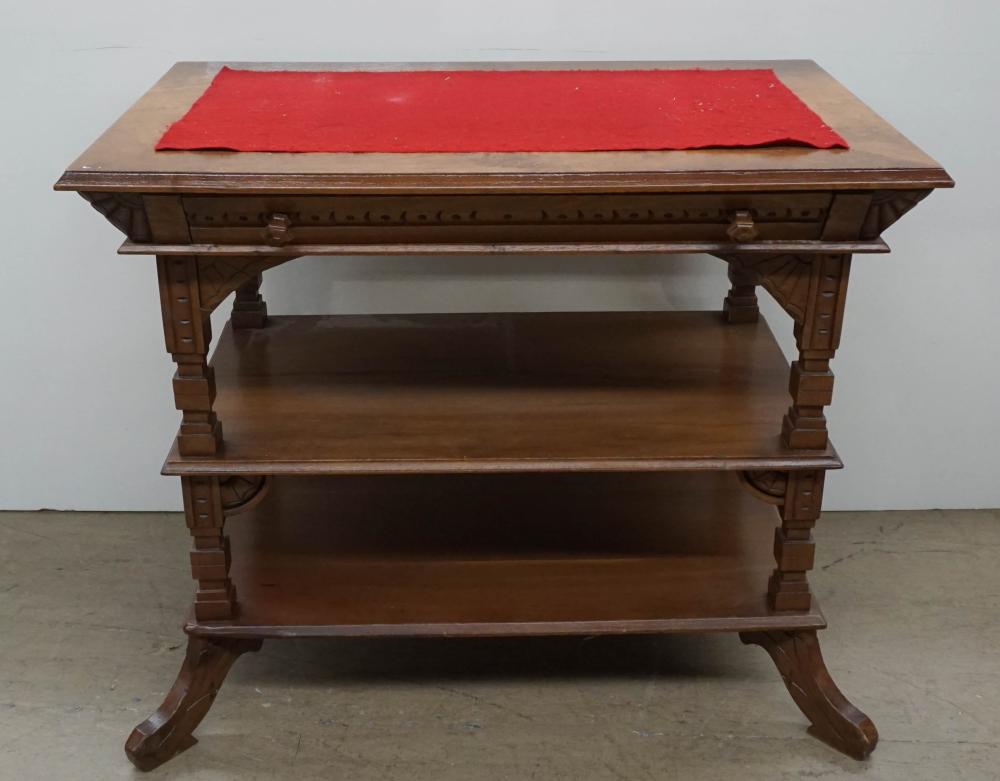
532,392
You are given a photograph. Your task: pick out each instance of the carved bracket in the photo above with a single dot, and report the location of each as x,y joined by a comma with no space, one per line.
887,207
125,212
218,276
810,288
239,494
785,277
768,486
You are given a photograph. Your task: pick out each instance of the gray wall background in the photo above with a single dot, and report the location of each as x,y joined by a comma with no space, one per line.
85,407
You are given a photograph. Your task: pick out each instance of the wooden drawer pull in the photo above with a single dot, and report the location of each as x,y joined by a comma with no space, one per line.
741,228
279,229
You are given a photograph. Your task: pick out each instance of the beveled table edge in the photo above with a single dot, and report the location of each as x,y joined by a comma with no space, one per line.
367,184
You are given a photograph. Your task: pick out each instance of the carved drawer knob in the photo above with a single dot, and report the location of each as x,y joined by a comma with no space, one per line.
741,227
279,228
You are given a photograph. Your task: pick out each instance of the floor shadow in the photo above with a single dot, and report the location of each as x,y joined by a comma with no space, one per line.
317,661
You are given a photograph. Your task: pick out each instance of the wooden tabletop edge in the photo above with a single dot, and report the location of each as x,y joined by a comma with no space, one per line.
674,180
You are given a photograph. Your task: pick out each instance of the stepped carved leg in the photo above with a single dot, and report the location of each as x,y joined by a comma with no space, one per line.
204,511
188,333
798,496
249,308
834,720
794,547
740,305
191,287
817,335
813,290
168,731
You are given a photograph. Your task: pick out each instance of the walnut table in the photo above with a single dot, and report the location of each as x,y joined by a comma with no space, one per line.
502,474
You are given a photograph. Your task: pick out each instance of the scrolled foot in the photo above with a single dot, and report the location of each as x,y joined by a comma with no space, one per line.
834,720
168,731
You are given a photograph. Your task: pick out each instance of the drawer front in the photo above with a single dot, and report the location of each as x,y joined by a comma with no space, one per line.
281,220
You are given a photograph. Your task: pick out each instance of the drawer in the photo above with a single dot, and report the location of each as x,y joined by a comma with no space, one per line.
280,220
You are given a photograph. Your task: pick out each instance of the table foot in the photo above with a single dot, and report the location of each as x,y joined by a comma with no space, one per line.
835,721
168,731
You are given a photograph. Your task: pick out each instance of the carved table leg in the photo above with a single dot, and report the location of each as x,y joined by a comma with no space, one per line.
813,290
249,308
817,335
794,547
798,496
740,305
188,333
834,720
168,731
215,599
191,287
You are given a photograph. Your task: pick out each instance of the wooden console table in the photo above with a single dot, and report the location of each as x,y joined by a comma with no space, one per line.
502,474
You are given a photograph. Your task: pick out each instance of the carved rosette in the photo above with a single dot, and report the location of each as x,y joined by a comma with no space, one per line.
768,486
239,493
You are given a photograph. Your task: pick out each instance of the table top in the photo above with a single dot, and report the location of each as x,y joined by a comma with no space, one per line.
123,159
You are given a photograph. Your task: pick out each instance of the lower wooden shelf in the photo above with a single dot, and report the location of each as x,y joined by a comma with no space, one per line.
507,554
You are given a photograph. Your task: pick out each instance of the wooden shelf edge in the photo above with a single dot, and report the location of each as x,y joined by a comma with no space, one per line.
876,246
194,466
813,619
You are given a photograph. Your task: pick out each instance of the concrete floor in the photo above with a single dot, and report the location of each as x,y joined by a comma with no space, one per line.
90,606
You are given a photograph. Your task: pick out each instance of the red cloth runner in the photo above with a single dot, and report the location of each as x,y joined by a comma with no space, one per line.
496,111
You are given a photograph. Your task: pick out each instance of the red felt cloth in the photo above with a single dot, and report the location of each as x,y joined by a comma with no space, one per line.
495,111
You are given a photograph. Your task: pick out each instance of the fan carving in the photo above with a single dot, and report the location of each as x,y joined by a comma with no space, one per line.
125,212
887,207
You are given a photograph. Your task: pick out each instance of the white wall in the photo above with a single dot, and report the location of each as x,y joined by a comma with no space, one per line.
85,406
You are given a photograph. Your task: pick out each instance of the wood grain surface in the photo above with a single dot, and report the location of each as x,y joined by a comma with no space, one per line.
123,158
503,554
514,392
